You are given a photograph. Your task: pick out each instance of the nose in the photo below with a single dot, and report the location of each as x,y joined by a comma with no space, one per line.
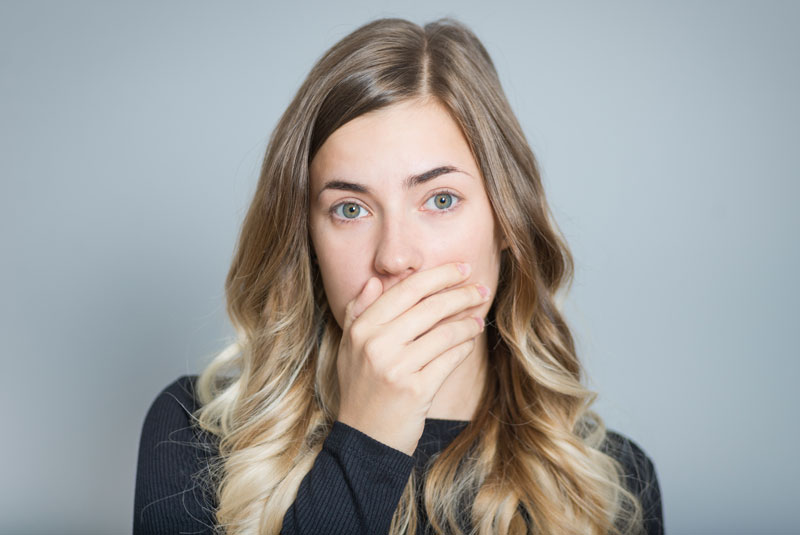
398,253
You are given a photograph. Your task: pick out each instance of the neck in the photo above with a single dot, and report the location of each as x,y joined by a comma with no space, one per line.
459,395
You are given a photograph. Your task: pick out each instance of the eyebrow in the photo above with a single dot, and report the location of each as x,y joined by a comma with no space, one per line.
408,183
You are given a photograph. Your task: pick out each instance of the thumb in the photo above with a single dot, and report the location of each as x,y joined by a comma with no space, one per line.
369,293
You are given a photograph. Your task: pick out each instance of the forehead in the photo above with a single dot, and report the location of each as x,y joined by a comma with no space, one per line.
392,143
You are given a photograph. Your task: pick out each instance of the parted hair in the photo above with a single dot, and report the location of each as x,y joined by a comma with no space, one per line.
532,459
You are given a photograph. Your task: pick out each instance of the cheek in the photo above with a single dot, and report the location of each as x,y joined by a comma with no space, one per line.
341,271
475,243
336,294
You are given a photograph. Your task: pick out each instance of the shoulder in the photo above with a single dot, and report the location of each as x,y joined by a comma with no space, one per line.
640,476
171,495
636,462
170,418
176,397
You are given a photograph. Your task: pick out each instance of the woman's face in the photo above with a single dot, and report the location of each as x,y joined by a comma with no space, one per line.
369,217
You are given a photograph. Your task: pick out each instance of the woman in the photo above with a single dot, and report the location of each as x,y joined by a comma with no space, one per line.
402,366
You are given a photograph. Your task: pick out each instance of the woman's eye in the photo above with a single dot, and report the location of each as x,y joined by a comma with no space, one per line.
349,210
441,201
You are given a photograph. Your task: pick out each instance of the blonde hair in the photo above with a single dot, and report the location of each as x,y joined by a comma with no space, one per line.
531,459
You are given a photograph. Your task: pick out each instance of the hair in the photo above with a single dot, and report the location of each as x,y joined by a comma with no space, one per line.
531,459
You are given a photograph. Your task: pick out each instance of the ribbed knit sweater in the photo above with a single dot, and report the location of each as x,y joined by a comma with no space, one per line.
354,486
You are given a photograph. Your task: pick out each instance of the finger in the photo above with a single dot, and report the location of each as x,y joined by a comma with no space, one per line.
435,309
372,290
412,289
440,340
436,372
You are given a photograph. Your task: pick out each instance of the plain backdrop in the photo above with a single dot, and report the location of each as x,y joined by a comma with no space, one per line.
668,136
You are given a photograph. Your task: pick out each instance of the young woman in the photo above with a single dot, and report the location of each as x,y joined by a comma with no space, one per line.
402,365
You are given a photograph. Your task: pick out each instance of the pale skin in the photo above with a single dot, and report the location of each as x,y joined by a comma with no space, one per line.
410,268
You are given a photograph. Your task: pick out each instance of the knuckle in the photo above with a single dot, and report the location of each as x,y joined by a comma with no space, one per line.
407,388
391,376
416,391
371,350
357,333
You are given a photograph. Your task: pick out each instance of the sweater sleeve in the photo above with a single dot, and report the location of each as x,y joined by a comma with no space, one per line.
353,487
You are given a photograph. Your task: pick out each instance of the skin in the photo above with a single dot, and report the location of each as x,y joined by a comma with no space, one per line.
413,344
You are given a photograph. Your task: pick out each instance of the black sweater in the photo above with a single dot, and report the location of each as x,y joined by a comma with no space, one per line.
353,487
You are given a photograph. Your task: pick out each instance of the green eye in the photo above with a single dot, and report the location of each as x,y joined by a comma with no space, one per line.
351,210
348,210
441,202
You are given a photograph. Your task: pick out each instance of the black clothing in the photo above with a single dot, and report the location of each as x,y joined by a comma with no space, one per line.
353,487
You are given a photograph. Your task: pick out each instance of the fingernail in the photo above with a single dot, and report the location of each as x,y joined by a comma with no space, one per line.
463,268
483,290
480,322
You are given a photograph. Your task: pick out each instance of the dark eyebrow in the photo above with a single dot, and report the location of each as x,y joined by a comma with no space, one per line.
408,183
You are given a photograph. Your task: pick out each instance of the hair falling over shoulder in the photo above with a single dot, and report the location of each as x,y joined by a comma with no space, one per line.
530,461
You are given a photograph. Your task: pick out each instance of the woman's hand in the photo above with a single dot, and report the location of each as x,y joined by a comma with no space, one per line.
395,354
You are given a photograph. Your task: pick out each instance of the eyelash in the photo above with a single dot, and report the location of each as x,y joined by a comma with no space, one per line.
456,204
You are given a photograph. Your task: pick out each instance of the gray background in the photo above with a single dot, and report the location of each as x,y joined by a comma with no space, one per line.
131,137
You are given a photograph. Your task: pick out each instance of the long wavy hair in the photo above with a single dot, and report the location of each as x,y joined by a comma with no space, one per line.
531,460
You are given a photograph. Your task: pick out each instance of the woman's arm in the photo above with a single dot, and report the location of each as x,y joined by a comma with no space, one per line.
354,485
